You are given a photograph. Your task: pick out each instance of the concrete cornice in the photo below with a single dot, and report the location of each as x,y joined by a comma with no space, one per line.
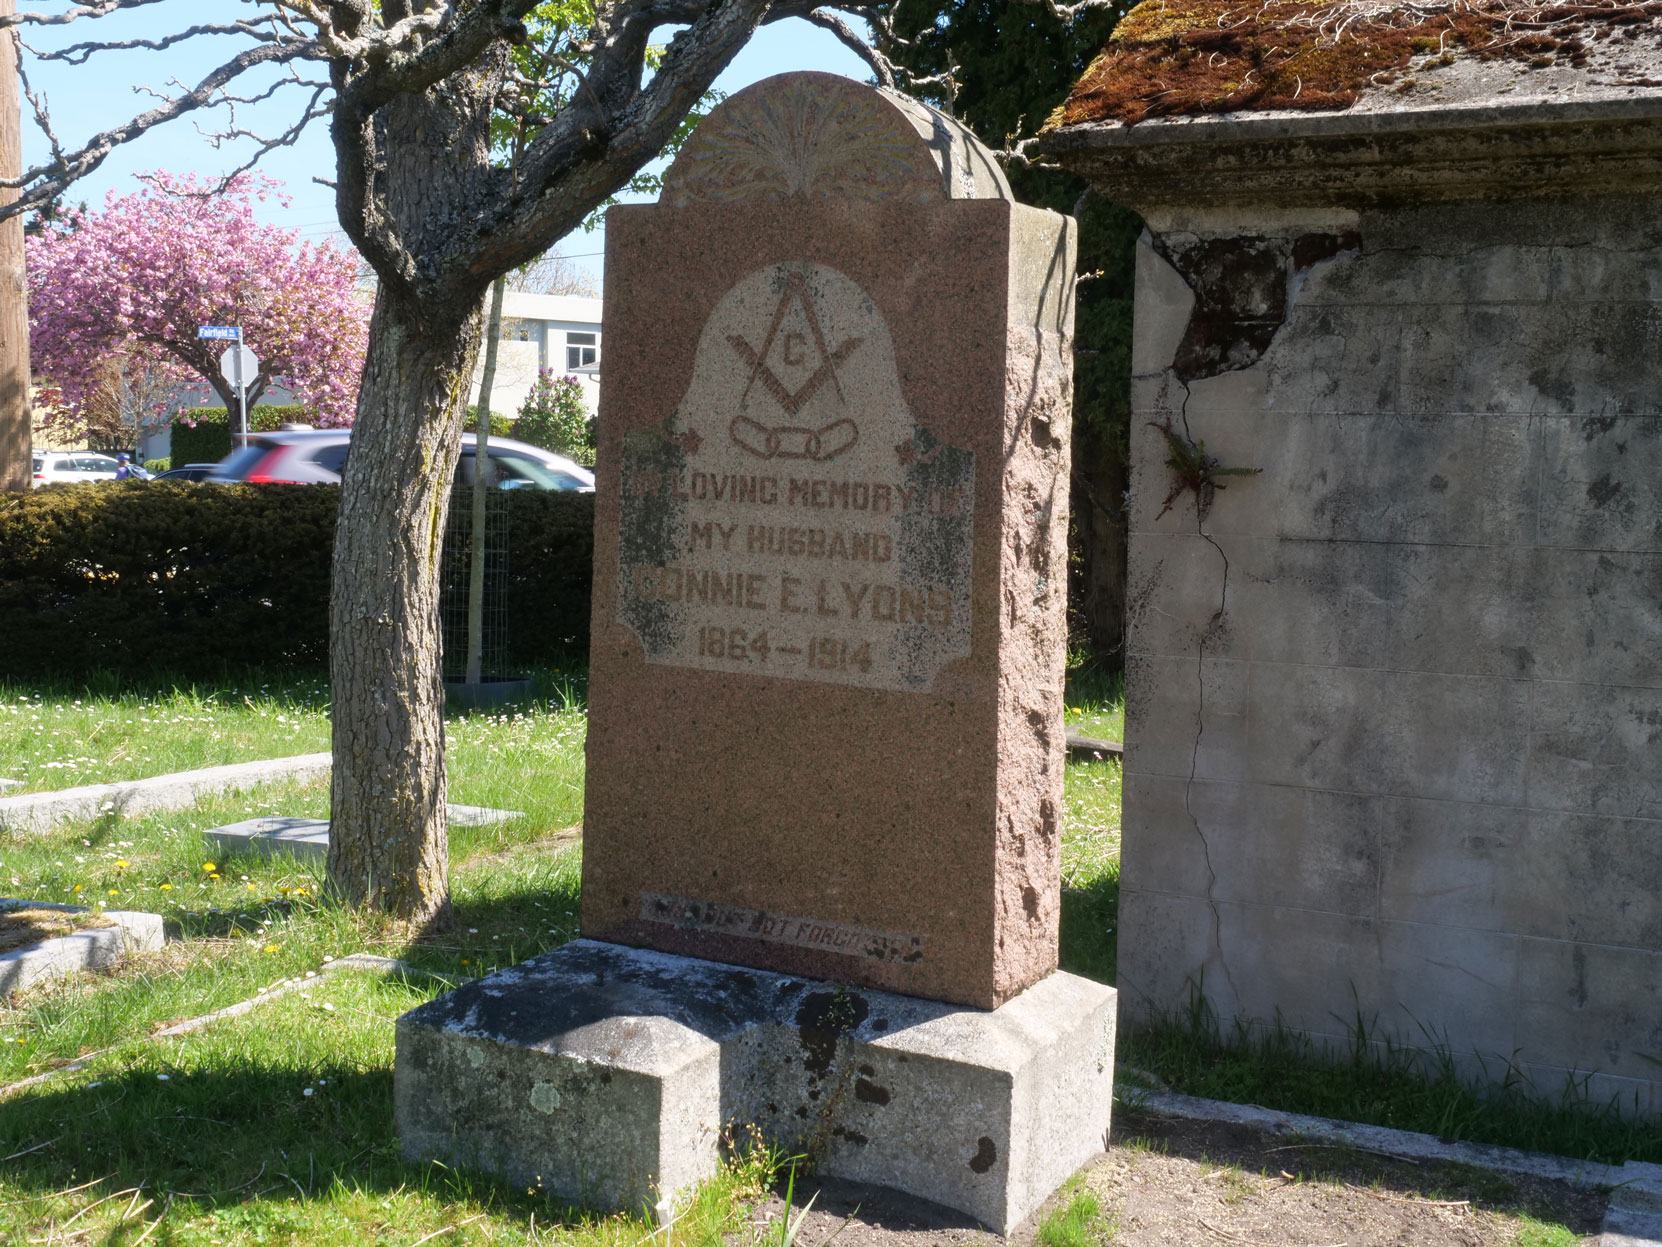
1363,158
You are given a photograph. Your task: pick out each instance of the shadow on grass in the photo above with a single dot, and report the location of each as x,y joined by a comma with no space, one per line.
564,683
1094,683
1090,927
1382,1080
228,1137
302,686
502,913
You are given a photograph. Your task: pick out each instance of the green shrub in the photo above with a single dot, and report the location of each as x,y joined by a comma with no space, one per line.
550,574
501,425
553,416
175,577
157,465
209,439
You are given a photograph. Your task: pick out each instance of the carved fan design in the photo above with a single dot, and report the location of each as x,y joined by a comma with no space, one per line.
804,140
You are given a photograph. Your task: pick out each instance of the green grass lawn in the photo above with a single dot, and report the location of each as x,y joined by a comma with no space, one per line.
58,738
275,1127
1091,832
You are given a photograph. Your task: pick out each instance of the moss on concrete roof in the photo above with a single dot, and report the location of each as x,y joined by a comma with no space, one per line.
1169,57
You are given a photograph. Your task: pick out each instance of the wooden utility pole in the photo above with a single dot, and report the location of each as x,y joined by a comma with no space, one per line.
15,415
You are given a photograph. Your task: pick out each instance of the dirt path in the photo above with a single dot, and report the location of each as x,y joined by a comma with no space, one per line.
1171,1183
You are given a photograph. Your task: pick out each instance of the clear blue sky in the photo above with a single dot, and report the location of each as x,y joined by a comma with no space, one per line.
107,90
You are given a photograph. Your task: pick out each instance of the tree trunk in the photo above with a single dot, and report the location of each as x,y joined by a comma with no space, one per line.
16,419
389,846
481,487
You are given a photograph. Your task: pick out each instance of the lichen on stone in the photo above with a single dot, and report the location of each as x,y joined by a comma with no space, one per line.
1169,57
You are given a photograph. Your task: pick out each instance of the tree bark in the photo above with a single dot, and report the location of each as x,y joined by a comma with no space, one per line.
16,418
481,487
387,710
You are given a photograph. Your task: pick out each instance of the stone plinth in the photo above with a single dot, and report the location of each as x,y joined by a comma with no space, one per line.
825,728
608,1073
95,948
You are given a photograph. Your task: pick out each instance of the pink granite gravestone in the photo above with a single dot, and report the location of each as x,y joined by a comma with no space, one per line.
825,732
825,716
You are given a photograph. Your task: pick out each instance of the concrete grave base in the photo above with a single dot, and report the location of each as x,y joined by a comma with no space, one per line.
309,837
42,811
96,948
607,1074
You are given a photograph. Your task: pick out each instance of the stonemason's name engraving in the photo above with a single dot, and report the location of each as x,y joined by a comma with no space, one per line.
756,924
791,518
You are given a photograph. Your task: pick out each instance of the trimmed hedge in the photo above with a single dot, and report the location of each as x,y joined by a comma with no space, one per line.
209,440
188,578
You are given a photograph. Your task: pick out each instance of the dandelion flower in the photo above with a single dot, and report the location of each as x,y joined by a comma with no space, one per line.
209,867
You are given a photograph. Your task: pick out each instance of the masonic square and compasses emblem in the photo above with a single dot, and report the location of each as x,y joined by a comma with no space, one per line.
794,364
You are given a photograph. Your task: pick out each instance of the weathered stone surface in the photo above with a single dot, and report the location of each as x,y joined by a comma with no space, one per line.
1393,703
478,815
1390,157
297,837
97,948
309,837
607,1073
41,811
825,730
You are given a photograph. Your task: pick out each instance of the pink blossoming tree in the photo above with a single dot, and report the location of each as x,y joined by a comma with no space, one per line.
132,284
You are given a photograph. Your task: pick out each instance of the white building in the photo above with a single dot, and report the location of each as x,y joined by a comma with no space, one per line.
554,331
558,332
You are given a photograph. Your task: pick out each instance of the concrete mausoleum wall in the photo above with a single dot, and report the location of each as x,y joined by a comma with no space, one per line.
1394,704
1411,768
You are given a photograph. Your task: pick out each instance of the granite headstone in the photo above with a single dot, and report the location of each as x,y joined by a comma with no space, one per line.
825,731
825,745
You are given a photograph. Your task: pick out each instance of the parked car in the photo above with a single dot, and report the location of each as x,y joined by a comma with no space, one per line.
53,466
317,457
190,472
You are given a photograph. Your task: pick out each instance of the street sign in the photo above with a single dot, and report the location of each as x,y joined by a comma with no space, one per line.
228,365
219,331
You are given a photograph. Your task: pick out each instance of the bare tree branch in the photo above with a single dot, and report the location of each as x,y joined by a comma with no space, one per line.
825,19
45,182
80,53
263,145
103,8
